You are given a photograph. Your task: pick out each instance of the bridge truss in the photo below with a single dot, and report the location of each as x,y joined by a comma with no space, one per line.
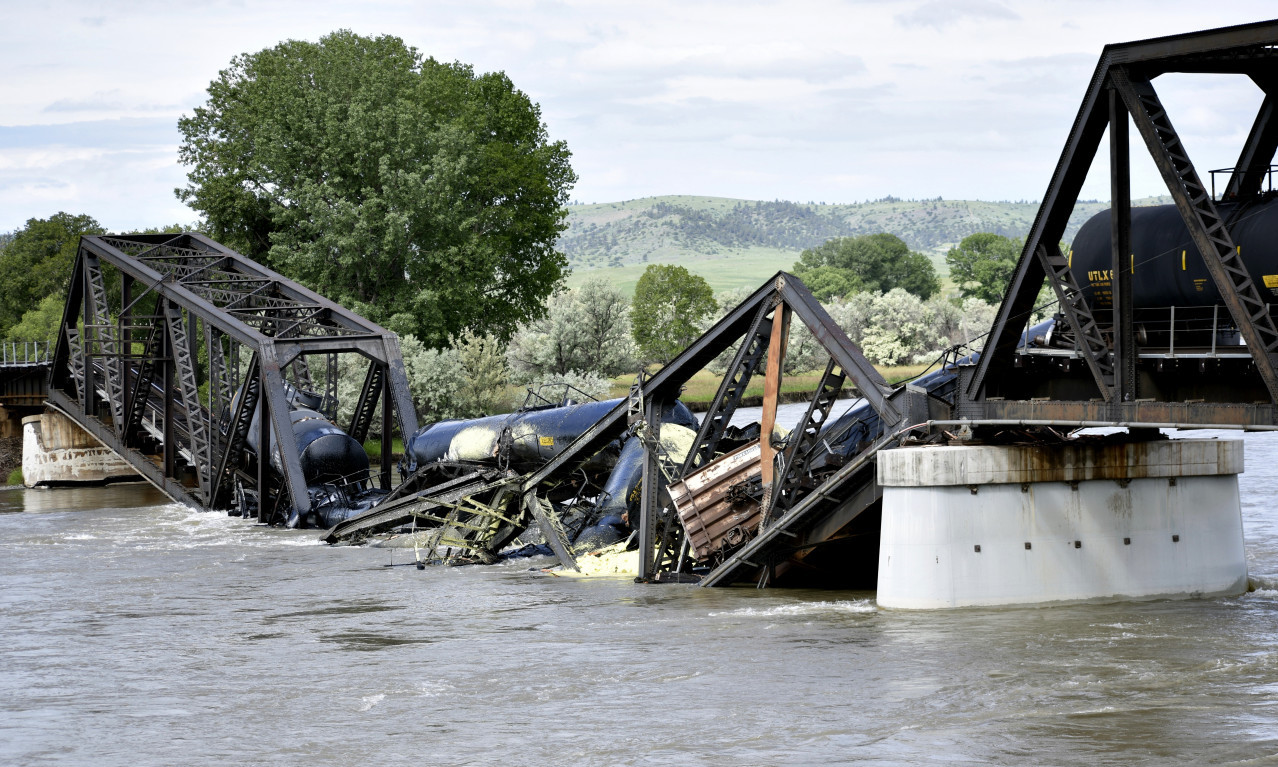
801,508
1112,376
180,355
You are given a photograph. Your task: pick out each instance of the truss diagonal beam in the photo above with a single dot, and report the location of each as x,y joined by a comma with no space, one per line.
142,384
1049,225
1206,227
1079,316
837,344
806,437
1257,153
104,332
237,435
194,414
731,389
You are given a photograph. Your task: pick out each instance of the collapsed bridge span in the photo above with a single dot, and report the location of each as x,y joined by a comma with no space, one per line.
216,378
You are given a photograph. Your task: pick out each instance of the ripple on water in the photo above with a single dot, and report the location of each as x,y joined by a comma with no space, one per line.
124,633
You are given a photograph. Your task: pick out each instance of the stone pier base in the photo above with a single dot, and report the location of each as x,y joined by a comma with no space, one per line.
995,525
56,451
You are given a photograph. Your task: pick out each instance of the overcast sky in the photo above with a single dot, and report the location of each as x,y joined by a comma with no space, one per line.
823,101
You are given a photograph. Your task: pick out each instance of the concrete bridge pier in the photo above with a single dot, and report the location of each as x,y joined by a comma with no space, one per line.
56,451
1017,525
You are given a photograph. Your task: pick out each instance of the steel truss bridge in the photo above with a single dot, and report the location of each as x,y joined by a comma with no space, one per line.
129,366
172,347
1109,376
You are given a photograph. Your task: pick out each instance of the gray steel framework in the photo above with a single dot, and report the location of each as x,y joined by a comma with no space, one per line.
661,538
170,367
1122,90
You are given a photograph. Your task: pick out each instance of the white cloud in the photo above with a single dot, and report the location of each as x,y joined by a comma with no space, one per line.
810,99
940,14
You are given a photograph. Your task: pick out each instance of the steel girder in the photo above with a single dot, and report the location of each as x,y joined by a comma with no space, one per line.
197,339
1121,90
750,323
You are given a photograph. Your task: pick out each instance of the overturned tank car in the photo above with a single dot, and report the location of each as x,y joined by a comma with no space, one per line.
461,490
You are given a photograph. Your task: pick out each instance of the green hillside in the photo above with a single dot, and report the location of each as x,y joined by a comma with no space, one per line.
734,243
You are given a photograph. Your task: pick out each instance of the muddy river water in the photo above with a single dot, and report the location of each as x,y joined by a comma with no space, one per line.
134,631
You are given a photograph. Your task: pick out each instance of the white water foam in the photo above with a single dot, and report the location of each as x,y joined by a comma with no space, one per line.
845,607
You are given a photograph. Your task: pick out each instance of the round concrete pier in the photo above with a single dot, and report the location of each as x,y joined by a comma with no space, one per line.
1000,525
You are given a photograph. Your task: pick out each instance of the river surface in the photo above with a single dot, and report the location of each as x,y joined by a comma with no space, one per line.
134,631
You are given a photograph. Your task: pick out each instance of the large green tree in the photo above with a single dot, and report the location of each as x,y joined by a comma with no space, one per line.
668,309
36,264
418,193
871,262
982,264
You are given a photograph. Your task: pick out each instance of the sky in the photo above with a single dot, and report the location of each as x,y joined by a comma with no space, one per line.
806,101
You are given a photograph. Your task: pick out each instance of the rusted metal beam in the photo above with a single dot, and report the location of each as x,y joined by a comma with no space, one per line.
1182,414
771,392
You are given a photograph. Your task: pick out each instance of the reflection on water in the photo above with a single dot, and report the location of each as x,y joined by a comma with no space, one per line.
121,495
136,631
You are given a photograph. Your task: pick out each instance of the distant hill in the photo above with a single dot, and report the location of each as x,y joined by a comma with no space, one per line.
734,243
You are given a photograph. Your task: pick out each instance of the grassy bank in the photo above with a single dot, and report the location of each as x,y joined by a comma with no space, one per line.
374,449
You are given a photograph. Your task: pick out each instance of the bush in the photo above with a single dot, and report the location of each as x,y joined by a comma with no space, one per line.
896,327
435,379
587,329
551,386
485,375
15,477
467,379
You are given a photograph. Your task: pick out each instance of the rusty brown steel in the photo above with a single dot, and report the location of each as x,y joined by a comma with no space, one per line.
1141,412
771,392
714,504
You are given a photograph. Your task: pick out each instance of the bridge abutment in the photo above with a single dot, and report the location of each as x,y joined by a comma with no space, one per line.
1083,520
56,451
